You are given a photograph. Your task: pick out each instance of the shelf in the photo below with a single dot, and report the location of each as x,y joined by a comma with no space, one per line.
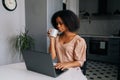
101,17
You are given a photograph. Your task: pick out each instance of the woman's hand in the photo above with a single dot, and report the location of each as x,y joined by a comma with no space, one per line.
50,37
67,65
52,32
49,31
62,66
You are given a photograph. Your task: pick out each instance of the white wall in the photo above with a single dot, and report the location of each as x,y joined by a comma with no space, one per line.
52,7
73,5
11,24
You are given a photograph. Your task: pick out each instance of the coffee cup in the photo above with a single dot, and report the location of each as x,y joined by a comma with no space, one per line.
53,32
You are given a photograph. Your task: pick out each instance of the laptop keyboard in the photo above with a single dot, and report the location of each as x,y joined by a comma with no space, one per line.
59,71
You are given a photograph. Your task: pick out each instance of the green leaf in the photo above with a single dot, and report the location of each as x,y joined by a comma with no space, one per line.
24,42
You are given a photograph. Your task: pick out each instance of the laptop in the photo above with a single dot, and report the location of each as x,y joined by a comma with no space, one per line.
41,62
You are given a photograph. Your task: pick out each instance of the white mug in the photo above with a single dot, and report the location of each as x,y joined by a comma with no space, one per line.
53,32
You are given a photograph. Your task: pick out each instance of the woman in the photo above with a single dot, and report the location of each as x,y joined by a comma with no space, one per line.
68,46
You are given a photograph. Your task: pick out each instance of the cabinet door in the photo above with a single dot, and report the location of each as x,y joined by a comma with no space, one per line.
114,47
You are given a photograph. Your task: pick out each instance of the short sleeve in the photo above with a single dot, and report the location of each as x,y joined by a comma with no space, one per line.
80,51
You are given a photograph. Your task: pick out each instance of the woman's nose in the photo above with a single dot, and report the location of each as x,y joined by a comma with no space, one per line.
58,25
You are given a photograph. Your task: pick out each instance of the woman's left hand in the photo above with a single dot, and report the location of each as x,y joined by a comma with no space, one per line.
62,66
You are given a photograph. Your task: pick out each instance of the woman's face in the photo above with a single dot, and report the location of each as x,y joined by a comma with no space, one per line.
60,25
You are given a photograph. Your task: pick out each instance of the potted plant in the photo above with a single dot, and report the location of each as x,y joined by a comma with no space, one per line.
24,42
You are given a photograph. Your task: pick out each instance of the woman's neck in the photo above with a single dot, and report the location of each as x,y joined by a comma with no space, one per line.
68,34
67,37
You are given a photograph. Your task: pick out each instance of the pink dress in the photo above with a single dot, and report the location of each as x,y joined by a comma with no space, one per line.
75,50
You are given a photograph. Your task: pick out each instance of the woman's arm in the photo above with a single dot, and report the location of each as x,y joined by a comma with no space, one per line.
52,50
67,65
52,47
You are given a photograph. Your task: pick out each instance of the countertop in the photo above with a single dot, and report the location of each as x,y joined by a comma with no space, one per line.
18,71
99,36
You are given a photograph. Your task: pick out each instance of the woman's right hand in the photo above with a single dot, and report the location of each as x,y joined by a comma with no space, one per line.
50,37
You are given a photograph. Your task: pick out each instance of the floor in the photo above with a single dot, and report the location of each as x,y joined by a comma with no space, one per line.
101,71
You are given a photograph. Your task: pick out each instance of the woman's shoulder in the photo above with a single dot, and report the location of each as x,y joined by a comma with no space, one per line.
79,39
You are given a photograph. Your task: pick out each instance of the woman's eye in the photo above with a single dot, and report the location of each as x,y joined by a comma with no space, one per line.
56,23
60,23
